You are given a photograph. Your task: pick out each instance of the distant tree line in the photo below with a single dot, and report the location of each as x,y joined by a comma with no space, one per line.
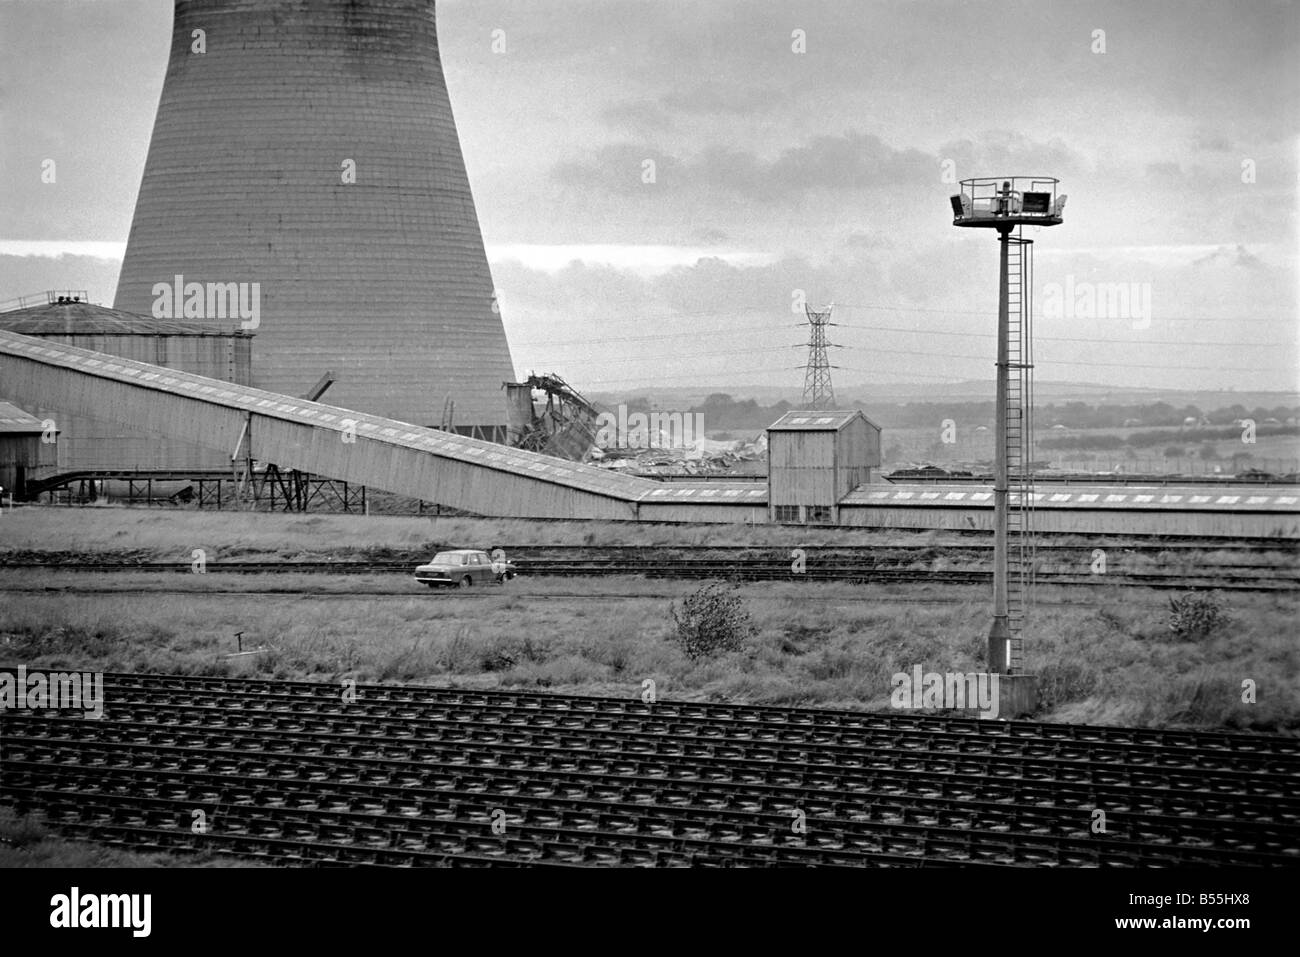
1082,415
1148,438
724,413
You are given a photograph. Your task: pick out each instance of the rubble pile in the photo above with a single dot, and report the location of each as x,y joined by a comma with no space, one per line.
700,457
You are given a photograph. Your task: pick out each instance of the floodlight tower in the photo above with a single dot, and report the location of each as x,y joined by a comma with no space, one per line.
1008,203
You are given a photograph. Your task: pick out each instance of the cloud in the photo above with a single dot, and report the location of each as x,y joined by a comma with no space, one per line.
702,100
868,239
639,260
717,99
636,114
1232,256
1159,256
1212,140
710,236
30,276
1002,152
58,248
1166,171
618,168
852,161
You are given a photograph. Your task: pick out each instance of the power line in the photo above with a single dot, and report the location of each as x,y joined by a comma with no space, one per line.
766,371
913,330
767,309
1077,362
545,357
1128,342
752,330
666,335
993,314
927,354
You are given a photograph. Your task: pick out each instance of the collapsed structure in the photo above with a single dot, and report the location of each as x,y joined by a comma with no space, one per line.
564,425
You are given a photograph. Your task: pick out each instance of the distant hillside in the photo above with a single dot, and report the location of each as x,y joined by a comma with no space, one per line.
869,397
722,412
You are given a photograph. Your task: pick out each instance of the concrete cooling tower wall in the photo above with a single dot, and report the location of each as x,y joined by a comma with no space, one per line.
306,180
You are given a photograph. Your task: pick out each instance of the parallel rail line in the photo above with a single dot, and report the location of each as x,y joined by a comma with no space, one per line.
289,772
874,553
950,597
1230,577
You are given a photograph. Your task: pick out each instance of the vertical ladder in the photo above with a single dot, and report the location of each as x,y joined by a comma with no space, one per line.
1020,481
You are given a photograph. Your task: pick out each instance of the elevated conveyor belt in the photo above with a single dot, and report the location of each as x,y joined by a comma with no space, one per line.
325,440
490,479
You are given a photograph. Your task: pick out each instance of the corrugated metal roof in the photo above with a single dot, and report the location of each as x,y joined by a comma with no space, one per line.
14,421
817,421
712,493
1081,496
88,319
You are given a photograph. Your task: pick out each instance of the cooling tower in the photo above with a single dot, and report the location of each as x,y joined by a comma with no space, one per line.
305,179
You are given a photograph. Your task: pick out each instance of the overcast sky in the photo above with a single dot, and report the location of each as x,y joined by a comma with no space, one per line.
777,171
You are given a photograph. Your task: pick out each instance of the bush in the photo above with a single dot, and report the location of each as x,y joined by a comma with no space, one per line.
21,830
1064,682
1194,616
712,620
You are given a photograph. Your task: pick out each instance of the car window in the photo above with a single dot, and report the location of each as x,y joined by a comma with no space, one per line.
446,558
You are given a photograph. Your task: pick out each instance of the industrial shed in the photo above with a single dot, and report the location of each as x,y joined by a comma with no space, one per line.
22,452
815,459
89,442
1195,511
743,503
493,479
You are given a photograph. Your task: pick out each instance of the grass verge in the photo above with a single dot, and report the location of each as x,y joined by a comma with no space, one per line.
1113,660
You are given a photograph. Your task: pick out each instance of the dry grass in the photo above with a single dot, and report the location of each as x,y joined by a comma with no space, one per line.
817,644
1111,661
171,535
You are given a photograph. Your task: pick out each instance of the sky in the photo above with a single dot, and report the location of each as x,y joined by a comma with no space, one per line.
661,184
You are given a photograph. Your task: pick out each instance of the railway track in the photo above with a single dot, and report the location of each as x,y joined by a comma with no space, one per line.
950,596
1244,576
290,772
